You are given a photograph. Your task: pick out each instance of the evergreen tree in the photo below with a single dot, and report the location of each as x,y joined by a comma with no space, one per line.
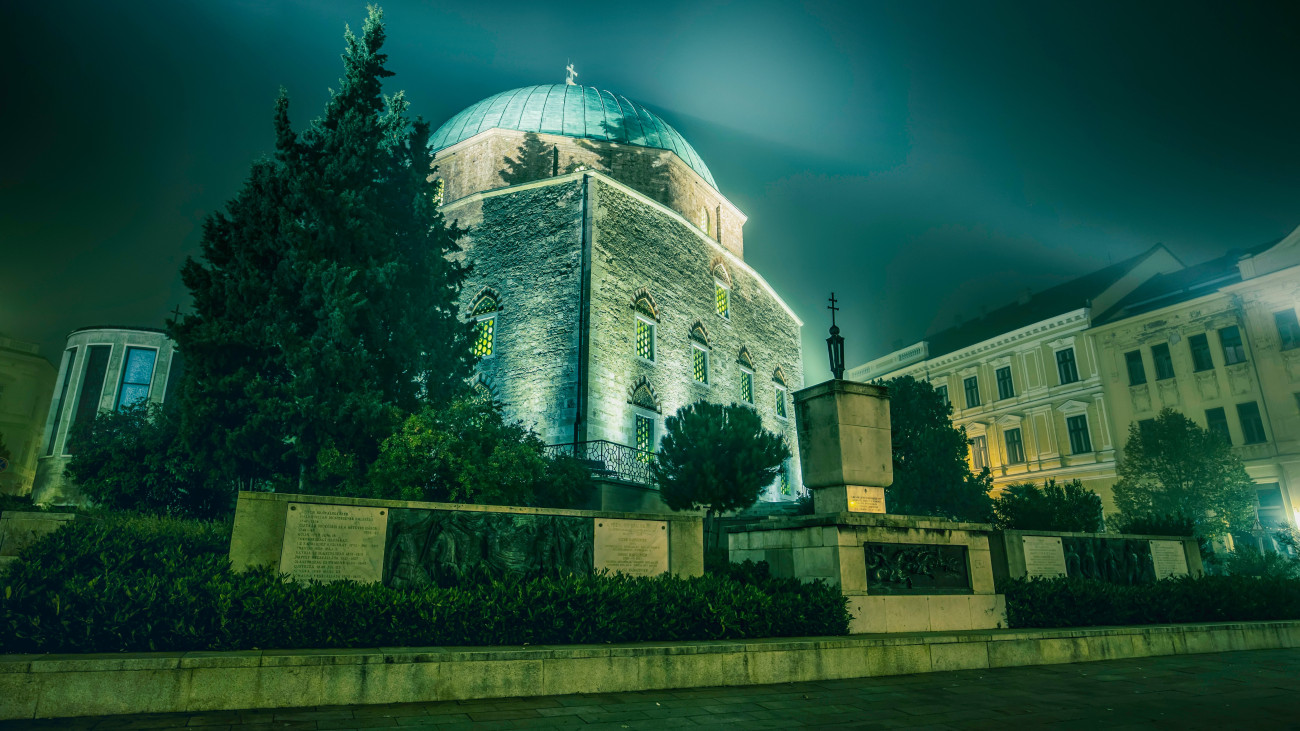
1175,467
324,300
536,160
931,476
716,458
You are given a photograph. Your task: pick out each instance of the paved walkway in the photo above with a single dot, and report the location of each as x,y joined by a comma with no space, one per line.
1257,689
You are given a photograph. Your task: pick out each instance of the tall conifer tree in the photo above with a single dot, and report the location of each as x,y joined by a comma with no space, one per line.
324,299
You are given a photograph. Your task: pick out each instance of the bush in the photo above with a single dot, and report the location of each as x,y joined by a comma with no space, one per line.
1148,524
131,584
469,453
1069,602
1070,507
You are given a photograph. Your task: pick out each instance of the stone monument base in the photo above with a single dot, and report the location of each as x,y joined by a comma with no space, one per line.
901,573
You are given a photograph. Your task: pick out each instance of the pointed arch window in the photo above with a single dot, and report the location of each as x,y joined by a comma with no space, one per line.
646,317
700,354
485,315
644,410
746,377
722,291
782,391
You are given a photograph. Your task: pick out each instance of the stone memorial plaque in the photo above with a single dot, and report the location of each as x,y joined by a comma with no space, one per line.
866,499
1169,558
632,547
334,542
1044,556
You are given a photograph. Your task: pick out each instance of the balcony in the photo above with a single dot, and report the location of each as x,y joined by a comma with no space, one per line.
610,461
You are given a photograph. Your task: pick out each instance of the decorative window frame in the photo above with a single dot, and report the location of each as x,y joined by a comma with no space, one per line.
121,376
486,293
722,287
1072,407
782,395
650,409
645,311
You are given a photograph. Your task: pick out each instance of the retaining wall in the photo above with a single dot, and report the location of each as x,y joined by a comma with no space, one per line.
54,686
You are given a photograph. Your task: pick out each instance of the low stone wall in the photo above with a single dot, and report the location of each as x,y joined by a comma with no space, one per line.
20,529
901,573
406,544
56,686
1119,558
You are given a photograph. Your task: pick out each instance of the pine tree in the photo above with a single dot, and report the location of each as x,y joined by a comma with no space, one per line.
931,476
324,300
535,160
716,458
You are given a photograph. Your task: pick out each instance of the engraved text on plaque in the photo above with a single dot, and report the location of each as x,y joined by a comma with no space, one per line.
1044,556
1169,558
866,499
632,547
334,542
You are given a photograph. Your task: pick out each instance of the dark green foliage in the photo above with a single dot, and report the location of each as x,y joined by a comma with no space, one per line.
1175,467
20,503
135,584
536,160
1146,524
931,475
324,301
1069,507
716,458
468,453
4,450
1250,561
1086,603
133,459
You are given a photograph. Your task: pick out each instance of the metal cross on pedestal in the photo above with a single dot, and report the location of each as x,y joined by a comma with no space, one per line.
835,344
569,78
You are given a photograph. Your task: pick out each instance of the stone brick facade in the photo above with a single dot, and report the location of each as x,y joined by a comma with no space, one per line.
567,256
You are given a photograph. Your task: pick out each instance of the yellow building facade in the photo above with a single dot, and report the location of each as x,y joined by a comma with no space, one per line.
1025,380
1219,343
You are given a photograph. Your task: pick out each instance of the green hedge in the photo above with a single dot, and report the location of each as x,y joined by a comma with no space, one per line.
1084,602
131,584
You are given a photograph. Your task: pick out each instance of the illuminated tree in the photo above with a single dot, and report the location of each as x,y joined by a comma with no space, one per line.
1174,467
716,458
931,475
324,299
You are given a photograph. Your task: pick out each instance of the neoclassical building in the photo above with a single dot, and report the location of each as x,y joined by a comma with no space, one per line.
609,279
26,380
1049,386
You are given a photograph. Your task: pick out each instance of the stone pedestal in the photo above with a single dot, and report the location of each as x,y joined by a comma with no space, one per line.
844,445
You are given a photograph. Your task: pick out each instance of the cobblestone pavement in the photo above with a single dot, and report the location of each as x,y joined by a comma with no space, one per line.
1236,690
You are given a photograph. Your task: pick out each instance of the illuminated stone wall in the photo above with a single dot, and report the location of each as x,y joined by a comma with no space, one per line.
526,244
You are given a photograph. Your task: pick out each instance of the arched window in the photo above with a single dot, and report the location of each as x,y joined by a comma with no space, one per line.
700,353
722,291
485,314
746,376
645,409
779,384
647,315
702,220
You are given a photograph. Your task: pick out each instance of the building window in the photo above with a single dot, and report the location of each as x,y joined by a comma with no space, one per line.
1163,360
1269,506
137,373
784,479
92,389
780,403
485,329
1015,446
1233,349
723,300
1216,420
1252,426
1201,360
1077,426
645,437
1288,329
70,360
1137,373
972,386
943,394
645,339
700,363
979,453
747,386
1065,367
1006,388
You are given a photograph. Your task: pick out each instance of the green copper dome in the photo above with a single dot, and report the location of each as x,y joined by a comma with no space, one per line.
573,111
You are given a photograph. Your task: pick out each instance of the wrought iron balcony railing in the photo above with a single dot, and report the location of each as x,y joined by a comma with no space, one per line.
609,460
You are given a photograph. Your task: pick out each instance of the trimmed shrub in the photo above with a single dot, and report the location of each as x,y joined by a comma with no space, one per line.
131,584
1071,602
1068,507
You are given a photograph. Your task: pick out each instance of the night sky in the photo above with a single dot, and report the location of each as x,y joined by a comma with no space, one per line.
920,159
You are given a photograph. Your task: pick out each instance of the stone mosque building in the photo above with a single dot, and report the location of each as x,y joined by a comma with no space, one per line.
609,279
